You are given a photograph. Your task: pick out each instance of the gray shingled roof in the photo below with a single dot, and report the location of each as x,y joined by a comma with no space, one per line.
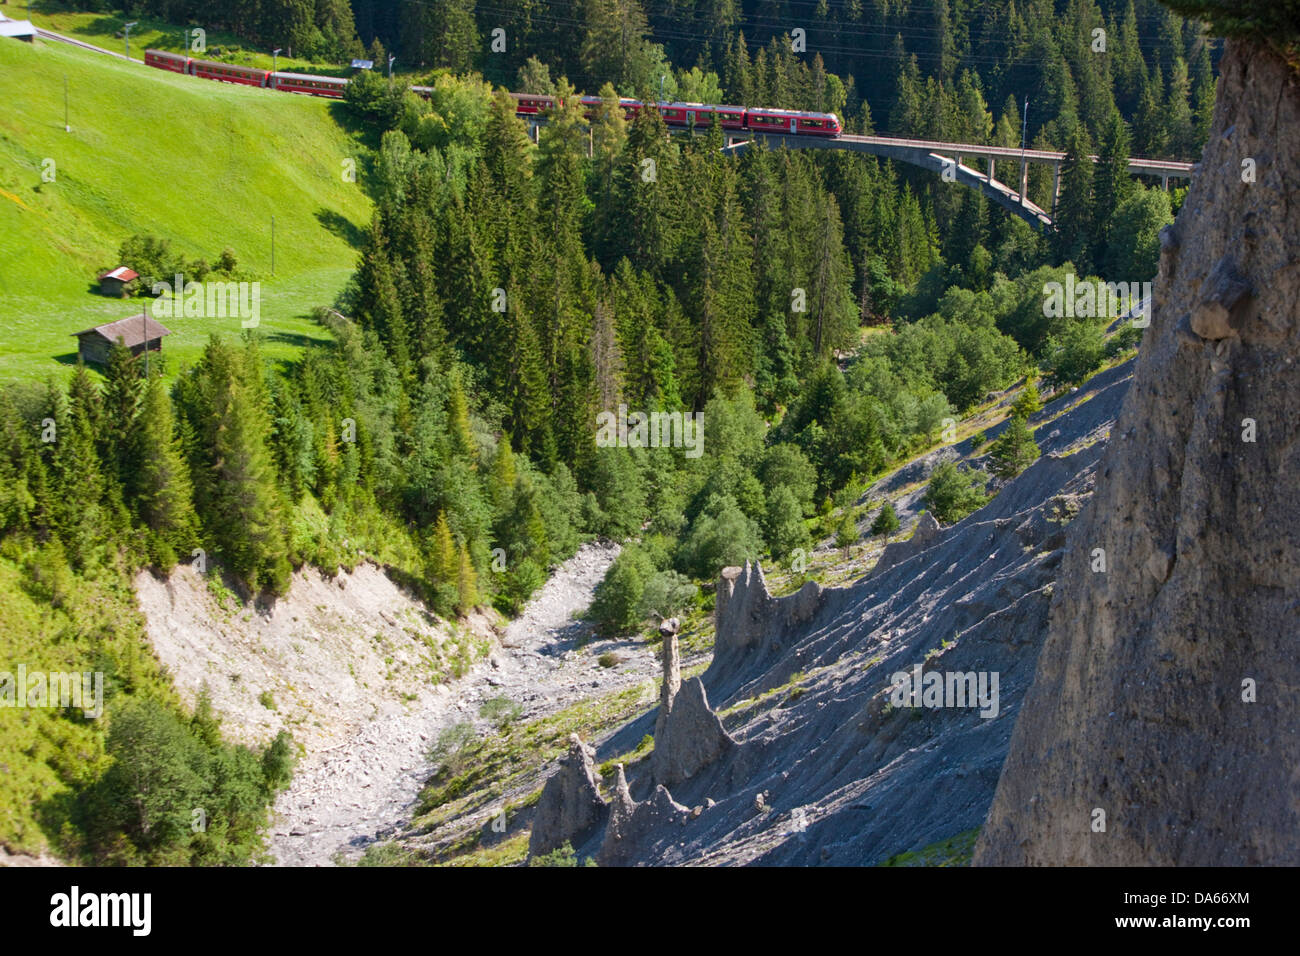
131,330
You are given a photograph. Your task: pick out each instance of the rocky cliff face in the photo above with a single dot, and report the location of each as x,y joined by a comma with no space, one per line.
1162,724
791,749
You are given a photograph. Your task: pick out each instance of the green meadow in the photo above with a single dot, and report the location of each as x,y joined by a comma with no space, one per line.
202,164
105,30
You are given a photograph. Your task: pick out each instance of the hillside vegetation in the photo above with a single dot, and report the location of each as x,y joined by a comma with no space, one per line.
202,164
455,420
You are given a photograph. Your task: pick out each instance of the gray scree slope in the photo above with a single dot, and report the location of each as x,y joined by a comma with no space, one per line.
831,774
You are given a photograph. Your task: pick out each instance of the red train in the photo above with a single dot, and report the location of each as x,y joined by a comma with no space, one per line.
330,86
793,122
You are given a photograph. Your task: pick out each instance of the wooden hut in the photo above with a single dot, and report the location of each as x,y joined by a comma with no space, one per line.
135,333
117,282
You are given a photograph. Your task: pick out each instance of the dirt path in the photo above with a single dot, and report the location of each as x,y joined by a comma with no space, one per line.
362,790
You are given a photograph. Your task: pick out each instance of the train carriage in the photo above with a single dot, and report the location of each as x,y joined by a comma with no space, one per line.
701,115
794,122
531,104
309,84
674,114
226,73
174,62
590,104
729,117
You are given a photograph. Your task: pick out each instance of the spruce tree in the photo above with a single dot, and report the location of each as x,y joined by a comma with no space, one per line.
462,438
608,139
160,480
466,581
886,522
1112,185
234,479
502,481
1014,450
79,487
1074,210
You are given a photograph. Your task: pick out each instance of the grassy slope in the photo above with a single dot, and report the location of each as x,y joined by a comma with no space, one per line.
201,163
105,30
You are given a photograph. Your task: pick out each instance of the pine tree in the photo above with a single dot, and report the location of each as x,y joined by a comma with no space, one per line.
1152,133
19,463
440,34
466,582
522,385
1112,184
79,488
1014,450
1028,402
470,276
886,522
502,481
381,304
1179,120
647,188
121,404
1074,210
443,560
1130,69
462,438
834,317
717,277
614,40
608,137
234,480
511,210
160,480
736,71
952,494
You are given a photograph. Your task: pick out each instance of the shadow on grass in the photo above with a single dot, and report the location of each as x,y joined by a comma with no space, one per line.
287,365
341,226
350,122
297,339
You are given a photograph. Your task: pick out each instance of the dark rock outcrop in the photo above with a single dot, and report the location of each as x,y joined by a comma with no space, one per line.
633,827
672,675
751,625
688,734
927,531
571,808
1162,726
690,738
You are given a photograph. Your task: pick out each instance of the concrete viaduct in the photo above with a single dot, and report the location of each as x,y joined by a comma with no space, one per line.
946,160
